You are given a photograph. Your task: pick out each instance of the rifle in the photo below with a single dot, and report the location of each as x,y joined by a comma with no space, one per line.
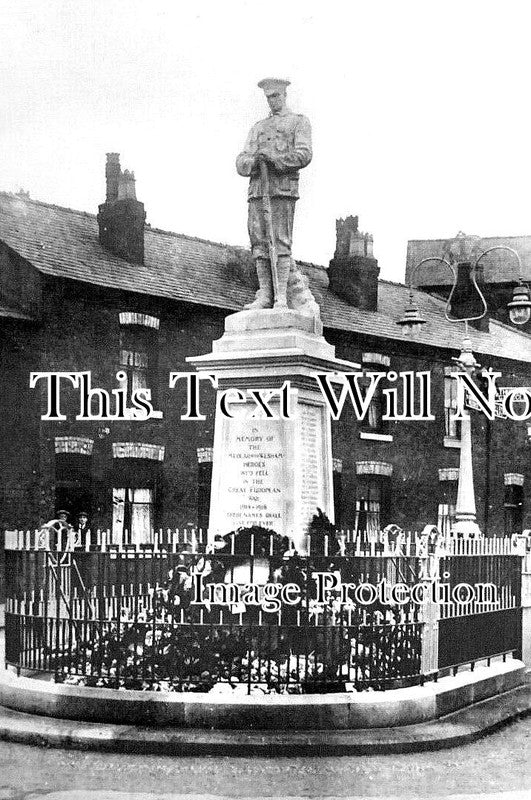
266,207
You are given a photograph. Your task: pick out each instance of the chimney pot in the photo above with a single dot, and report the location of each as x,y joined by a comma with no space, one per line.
112,175
126,186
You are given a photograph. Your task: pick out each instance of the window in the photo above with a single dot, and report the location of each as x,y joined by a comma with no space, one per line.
445,517
137,491
372,505
138,355
452,427
204,480
368,511
513,507
448,478
373,496
373,422
73,475
337,483
132,519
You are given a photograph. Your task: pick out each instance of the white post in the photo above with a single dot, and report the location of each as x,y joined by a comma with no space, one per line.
465,511
429,615
526,609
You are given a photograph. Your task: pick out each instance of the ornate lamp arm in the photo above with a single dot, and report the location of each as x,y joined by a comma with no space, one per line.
502,247
454,283
520,306
466,320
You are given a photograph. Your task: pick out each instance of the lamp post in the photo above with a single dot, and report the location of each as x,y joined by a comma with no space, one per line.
520,312
465,509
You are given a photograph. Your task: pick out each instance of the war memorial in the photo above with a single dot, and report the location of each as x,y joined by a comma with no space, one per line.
273,626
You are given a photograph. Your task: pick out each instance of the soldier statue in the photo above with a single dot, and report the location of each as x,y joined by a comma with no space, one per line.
276,149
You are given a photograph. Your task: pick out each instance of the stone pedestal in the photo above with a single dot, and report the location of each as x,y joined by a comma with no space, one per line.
271,472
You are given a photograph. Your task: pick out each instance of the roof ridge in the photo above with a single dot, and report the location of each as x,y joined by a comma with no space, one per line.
191,238
395,283
483,238
25,199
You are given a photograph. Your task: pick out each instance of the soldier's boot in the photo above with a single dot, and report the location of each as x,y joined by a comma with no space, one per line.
264,295
283,268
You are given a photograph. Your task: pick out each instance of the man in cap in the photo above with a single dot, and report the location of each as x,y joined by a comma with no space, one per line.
82,529
284,142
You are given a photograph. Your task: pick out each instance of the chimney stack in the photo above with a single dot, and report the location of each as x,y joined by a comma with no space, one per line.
121,218
353,272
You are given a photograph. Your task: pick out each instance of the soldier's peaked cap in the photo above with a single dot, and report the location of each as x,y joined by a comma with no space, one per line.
270,85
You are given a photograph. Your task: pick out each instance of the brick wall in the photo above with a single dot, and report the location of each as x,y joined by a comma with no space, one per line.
81,331
417,450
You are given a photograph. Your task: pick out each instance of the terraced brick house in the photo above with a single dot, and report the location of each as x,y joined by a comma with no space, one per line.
108,293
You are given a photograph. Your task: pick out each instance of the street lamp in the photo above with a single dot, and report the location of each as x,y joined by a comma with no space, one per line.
412,322
520,305
465,511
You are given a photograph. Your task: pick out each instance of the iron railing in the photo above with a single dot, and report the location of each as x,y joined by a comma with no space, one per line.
145,615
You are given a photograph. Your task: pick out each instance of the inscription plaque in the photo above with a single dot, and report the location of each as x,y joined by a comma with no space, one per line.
255,472
274,473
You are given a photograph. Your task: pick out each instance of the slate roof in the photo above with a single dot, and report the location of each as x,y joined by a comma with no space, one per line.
498,267
63,242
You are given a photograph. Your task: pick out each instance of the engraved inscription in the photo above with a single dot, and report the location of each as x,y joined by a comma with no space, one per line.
252,484
311,461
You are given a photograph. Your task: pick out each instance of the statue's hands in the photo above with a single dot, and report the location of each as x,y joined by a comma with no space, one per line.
272,159
257,160
264,156
276,163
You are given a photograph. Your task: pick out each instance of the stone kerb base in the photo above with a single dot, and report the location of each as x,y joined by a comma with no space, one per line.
274,473
351,711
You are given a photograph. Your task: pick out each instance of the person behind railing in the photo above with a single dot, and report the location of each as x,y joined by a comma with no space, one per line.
393,538
56,532
524,538
82,530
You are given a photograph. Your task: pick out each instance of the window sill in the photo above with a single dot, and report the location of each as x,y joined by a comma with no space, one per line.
376,437
136,414
451,441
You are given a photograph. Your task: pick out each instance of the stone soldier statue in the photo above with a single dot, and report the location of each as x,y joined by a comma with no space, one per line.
283,143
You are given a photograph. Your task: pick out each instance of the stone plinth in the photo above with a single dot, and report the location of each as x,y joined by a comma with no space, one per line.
273,472
278,712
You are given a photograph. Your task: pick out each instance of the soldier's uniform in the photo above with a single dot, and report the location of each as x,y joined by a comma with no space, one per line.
286,139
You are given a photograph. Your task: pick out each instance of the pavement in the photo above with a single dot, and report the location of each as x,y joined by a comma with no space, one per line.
99,795
496,767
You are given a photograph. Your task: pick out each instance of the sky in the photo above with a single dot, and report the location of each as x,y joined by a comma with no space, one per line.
420,111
